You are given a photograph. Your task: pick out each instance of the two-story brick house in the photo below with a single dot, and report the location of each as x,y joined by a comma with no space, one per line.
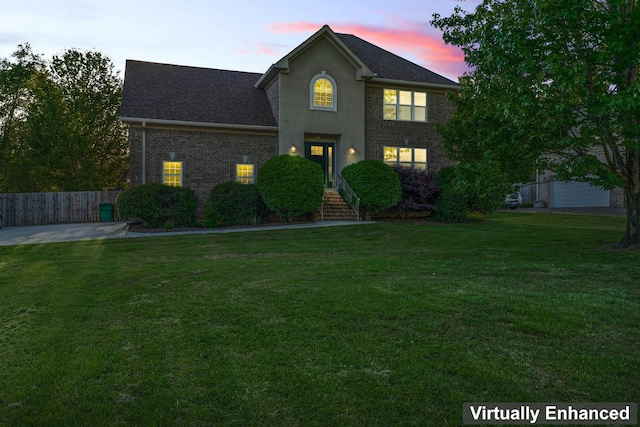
335,99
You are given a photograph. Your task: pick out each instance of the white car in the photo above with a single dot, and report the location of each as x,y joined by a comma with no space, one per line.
514,200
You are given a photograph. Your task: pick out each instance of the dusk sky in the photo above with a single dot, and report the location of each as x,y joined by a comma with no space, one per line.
243,35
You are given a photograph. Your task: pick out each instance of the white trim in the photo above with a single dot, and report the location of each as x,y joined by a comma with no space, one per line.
199,124
334,93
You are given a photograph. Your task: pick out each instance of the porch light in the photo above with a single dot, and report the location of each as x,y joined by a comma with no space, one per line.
352,150
294,148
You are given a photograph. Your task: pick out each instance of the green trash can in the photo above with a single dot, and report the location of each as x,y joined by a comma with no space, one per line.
106,212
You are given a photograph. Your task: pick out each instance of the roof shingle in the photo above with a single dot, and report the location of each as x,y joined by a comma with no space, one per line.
387,65
178,93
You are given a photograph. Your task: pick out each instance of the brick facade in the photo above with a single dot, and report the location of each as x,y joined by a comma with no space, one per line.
380,132
208,157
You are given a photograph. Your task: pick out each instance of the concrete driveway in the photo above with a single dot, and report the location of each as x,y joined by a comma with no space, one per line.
61,233
35,234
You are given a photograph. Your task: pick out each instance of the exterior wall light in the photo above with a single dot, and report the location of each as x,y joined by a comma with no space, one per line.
352,150
294,149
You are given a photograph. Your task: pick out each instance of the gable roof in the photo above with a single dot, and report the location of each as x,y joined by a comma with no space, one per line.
370,61
174,93
389,66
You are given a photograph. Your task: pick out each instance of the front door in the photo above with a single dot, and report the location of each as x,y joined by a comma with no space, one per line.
323,153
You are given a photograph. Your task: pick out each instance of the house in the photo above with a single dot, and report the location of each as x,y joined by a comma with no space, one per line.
335,99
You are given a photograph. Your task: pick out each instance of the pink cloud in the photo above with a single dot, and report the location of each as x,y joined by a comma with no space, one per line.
419,41
262,49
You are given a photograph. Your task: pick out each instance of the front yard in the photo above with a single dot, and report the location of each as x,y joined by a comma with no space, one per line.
385,324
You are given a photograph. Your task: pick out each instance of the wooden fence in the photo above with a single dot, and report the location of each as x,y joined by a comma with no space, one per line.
49,208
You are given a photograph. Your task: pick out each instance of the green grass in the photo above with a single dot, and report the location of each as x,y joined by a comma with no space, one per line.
384,324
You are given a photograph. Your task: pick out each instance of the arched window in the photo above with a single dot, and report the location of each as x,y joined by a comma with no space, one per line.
323,93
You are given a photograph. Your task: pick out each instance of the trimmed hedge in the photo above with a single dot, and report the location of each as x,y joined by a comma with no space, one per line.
375,182
291,185
158,205
234,204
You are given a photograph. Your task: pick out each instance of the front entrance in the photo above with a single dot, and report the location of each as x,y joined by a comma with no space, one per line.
323,153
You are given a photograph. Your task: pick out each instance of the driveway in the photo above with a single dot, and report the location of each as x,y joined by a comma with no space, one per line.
61,233
34,234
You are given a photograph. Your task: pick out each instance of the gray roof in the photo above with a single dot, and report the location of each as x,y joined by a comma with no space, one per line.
177,93
387,65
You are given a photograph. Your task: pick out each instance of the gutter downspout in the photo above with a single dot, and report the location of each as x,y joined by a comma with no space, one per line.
144,152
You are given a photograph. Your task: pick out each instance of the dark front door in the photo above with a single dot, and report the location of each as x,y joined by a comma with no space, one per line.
323,153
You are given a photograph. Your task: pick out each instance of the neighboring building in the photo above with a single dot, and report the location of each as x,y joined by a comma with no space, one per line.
335,99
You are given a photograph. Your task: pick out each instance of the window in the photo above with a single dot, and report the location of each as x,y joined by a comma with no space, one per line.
406,156
172,174
323,93
244,173
405,105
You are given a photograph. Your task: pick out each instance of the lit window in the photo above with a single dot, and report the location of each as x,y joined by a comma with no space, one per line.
172,174
317,150
405,105
406,156
244,173
323,93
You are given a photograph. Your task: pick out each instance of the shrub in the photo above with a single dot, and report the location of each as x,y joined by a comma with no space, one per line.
451,205
419,190
376,183
156,205
232,204
291,185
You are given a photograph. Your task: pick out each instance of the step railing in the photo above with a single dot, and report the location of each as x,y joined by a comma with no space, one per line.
349,195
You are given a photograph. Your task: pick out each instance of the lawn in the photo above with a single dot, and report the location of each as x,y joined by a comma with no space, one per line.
379,324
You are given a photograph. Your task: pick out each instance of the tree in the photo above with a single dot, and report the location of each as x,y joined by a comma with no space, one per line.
554,85
16,81
67,135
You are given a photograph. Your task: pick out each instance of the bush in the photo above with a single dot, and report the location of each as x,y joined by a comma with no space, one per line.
451,205
419,190
157,205
291,185
233,204
376,183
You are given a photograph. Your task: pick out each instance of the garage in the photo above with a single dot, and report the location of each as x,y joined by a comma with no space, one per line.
576,194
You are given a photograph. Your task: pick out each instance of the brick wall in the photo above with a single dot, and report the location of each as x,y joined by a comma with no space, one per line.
380,132
209,158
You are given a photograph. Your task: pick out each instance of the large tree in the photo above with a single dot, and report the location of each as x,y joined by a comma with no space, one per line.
65,134
554,85
16,80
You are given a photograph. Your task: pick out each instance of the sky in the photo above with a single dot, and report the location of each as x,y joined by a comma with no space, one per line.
242,35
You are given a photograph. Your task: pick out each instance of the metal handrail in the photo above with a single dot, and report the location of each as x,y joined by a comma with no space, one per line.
349,195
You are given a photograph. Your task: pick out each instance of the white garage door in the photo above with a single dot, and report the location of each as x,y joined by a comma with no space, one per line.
576,194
